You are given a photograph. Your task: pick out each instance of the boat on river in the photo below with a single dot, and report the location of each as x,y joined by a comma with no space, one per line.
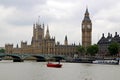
54,65
112,62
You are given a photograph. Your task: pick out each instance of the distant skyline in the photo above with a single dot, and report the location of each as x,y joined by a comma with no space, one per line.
64,17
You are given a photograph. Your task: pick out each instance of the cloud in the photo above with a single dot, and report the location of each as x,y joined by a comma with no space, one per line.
64,17
106,20
11,32
56,10
21,4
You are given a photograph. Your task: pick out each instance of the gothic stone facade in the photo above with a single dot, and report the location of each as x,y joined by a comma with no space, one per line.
43,44
86,30
104,42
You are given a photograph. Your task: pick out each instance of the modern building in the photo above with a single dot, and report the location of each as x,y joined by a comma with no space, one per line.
104,42
86,30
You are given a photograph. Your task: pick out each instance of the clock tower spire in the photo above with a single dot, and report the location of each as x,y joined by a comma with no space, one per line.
86,30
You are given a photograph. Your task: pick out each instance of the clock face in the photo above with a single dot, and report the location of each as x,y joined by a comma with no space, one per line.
83,26
88,26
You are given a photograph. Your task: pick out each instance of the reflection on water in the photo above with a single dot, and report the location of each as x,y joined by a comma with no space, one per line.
31,70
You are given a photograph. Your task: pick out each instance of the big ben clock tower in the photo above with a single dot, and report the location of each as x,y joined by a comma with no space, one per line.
86,30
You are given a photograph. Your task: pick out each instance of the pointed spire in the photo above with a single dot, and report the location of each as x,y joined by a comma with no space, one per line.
66,41
47,29
86,13
43,26
38,24
47,33
86,17
17,46
66,38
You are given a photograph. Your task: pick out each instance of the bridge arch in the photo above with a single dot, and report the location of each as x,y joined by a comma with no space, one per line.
14,57
38,58
58,57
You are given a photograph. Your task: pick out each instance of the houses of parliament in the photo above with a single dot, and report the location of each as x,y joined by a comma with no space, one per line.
43,43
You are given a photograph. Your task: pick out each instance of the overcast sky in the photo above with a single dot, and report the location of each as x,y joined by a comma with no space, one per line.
64,17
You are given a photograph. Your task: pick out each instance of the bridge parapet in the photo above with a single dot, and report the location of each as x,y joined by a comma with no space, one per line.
23,56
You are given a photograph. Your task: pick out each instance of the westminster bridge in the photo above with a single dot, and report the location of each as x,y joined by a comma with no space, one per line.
17,57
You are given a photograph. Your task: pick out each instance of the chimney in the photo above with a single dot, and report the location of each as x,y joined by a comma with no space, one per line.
111,36
115,33
102,34
108,34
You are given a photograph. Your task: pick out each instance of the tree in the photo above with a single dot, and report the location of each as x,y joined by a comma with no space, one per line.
119,47
81,49
113,48
2,50
92,50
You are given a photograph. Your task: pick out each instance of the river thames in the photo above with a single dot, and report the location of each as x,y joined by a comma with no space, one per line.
31,70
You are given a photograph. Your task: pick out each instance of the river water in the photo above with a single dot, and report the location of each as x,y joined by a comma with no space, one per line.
31,70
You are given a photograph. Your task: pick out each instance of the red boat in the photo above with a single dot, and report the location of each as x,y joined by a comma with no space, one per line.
54,65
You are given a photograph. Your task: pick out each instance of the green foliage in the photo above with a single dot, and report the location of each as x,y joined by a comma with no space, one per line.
2,50
81,49
92,50
113,48
119,47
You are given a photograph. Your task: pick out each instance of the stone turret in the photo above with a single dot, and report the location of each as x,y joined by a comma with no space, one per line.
38,34
23,44
8,48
